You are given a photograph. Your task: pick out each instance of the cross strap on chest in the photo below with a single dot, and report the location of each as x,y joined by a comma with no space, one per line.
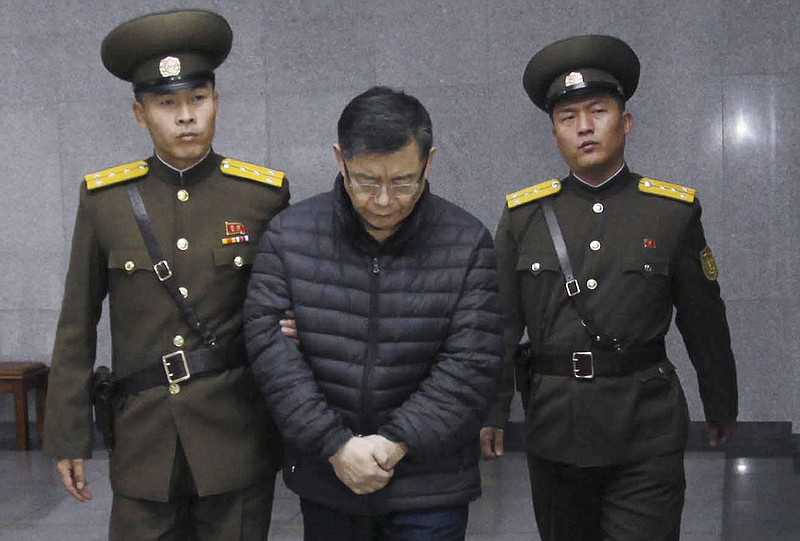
600,339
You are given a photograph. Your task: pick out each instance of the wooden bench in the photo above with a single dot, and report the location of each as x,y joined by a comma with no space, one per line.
17,378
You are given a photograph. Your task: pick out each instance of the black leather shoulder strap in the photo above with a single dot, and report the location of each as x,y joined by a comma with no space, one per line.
573,287
161,266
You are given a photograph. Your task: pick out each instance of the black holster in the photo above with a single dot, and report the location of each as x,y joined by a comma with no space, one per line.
522,372
104,386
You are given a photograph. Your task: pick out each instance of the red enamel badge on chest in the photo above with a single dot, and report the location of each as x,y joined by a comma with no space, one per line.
235,228
649,243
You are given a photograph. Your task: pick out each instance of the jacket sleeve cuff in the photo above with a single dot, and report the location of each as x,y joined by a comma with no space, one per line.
393,434
334,442
498,417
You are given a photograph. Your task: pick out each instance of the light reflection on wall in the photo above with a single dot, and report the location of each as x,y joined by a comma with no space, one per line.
743,130
741,466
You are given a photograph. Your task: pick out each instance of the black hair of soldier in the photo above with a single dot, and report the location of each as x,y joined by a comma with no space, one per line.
139,96
619,99
384,120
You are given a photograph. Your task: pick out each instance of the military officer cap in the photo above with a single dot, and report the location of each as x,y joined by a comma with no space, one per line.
167,50
581,64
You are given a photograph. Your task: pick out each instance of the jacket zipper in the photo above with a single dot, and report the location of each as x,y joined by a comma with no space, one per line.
372,349
365,417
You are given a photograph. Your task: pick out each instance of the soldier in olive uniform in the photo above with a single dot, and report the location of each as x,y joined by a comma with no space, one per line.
194,451
591,267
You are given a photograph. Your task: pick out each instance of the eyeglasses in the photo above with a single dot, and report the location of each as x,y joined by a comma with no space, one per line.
374,189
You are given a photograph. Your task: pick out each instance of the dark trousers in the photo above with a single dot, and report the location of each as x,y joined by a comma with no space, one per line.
240,515
321,523
640,501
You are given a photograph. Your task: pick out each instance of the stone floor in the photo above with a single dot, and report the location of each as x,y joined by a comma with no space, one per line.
728,498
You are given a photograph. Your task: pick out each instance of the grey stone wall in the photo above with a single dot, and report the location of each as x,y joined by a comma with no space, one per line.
714,110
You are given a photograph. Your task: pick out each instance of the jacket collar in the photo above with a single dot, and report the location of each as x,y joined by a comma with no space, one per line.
193,175
613,185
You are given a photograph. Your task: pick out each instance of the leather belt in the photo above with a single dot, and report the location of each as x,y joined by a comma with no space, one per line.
591,364
178,367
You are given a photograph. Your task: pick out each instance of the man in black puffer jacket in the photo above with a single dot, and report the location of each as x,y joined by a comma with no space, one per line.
395,297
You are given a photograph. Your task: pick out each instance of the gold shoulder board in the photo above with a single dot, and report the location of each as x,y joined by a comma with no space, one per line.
115,175
667,189
251,171
532,193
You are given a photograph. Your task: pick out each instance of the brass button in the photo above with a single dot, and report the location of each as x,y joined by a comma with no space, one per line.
174,388
178,341
648,267
184,292
238,261
129,266
536,266
598,208
661,370
594,245
591,283
182,244
183,195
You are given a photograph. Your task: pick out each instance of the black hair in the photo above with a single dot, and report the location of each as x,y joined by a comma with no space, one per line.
384,120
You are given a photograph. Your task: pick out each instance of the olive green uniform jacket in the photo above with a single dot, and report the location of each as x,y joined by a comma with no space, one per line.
636,256
220,418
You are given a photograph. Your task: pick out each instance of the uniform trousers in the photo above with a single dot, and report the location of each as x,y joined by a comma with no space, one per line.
322,523
638,501
239,515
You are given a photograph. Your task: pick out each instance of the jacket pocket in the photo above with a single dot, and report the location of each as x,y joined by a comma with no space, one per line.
537,264
234,255
659,401
130,261
646,265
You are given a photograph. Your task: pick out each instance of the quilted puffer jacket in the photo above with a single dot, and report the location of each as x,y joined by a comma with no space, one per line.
401,338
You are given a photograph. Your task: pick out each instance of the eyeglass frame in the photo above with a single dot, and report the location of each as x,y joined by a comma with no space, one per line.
358,188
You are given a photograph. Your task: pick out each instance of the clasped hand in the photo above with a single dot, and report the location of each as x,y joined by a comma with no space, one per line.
366,464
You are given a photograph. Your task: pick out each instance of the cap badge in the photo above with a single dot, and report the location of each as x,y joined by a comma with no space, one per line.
574,78
169,66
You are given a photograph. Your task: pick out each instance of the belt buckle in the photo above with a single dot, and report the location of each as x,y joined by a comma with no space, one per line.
167,360
162,270
583,364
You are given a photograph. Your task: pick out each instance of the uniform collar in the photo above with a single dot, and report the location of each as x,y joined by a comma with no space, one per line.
187,177
613,185
606,181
